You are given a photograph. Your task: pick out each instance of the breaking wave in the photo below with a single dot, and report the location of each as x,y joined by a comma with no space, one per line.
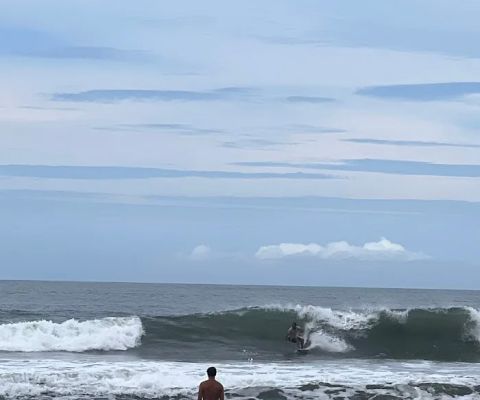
449,334
105,334
420,333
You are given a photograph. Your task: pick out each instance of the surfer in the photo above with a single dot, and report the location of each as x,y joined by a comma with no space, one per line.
211,389
295,335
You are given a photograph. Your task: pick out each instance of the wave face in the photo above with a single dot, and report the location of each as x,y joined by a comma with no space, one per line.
74,336
448,334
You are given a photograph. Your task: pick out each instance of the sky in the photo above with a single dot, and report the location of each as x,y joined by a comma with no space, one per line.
330,143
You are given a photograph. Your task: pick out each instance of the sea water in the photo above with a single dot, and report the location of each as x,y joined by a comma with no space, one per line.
119,340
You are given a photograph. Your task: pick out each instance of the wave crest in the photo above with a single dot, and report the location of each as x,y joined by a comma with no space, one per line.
113,333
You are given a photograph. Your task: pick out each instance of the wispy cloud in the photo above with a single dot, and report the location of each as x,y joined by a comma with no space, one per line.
327,205
422,91
266,164
290,40
48,108
415,143
305,128
401,167
115,95
181,129
309,99
393,31
30,43
99,173
383,250
95,53
255,143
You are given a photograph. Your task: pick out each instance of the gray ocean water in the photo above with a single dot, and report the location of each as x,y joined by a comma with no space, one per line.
123,340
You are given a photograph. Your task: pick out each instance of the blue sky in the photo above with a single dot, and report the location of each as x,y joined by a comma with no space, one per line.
273,142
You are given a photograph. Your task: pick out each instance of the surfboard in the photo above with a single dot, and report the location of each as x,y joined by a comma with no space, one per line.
302,351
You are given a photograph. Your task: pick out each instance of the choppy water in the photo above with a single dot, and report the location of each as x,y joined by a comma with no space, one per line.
97,340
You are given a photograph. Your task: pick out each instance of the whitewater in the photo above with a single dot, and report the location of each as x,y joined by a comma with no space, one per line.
60,379
72,335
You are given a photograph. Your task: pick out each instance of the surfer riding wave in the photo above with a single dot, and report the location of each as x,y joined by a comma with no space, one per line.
295,335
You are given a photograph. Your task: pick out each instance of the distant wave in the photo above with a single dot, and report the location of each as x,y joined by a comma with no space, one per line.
116,333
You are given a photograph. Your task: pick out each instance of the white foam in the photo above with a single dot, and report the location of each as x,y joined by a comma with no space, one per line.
155,379
319,317
115,333
340,319
475,317
324,341
400,316
344,320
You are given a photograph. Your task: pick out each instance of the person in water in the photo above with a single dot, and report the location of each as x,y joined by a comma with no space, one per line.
295,335
211,389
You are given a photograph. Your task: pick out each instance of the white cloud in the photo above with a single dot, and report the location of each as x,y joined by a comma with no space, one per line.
383,250
200,252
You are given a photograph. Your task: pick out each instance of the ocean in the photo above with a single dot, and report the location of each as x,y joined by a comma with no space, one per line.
66,340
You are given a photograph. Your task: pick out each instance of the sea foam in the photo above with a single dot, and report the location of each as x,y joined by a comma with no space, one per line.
60,379
114,333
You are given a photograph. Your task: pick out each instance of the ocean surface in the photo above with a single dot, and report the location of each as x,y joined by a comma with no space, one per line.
140,341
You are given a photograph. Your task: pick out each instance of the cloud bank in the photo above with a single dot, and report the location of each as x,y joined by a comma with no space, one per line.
383,250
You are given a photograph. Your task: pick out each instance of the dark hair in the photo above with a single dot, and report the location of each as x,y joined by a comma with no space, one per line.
211,372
